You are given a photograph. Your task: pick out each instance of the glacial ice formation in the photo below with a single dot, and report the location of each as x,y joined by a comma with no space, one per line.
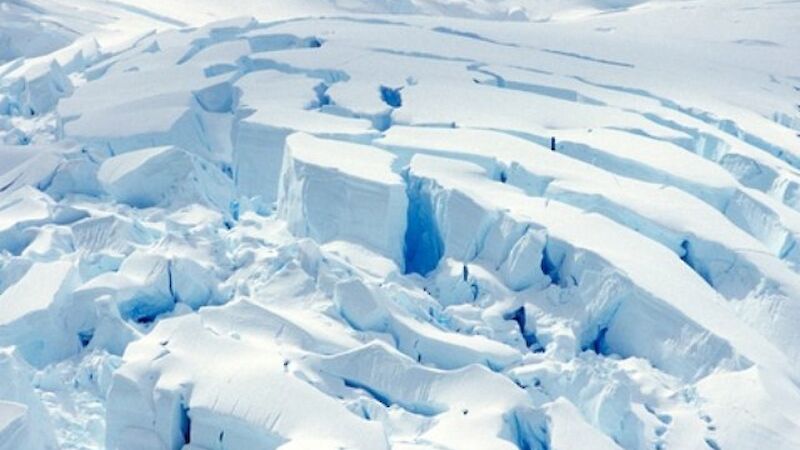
327,224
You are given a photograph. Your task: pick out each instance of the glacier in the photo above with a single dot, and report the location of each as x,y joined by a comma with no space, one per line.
399,224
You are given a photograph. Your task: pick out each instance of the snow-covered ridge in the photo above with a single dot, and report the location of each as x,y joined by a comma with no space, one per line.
341,224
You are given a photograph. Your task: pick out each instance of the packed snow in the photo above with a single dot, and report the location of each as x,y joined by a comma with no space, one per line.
412,224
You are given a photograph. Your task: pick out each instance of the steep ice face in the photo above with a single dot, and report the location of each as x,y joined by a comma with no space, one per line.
174,178
331,191
24,422
39,317
384,224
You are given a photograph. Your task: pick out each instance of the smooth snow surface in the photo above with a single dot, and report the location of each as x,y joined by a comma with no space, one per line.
327,224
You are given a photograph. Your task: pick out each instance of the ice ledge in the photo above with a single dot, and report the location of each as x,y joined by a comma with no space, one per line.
332,190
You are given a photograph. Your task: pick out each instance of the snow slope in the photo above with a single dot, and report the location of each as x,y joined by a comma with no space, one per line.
340,224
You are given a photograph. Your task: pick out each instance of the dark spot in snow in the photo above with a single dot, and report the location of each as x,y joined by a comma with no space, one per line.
550,268
666,419
473,287
518,316
185,424
712,444
85,337
321,92
391,96
598,345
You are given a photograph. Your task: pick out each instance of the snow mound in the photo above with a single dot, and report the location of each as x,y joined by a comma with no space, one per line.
27,32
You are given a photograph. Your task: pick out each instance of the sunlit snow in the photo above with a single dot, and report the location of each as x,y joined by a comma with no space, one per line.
399,224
